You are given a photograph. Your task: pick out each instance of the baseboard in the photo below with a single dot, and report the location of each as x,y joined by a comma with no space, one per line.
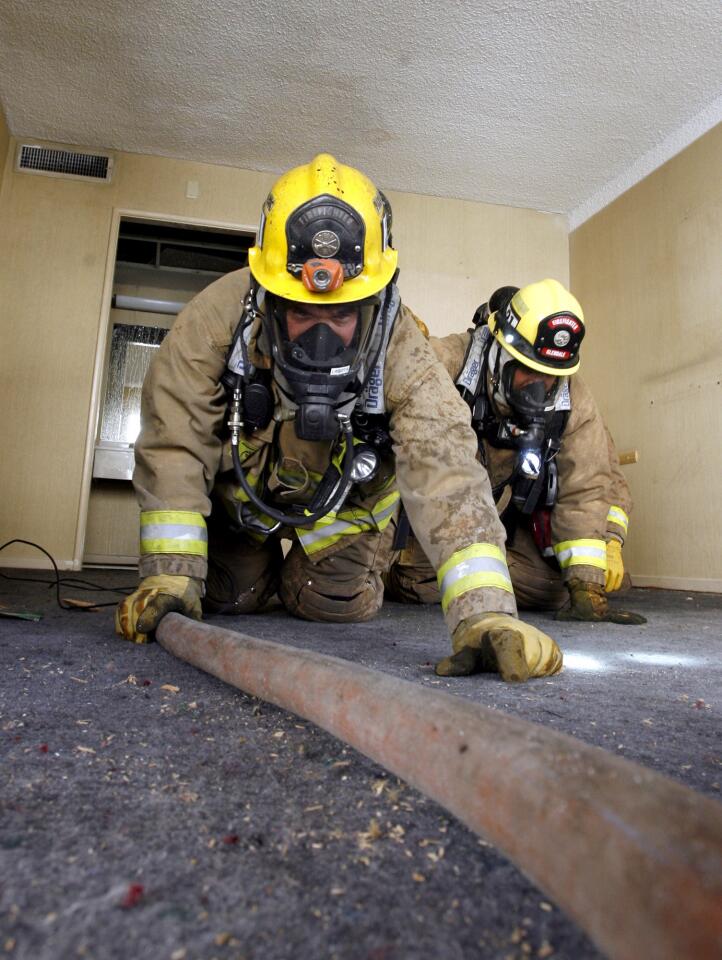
100,560
41,563
677,583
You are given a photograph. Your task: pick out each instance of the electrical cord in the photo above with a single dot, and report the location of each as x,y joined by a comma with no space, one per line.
74,583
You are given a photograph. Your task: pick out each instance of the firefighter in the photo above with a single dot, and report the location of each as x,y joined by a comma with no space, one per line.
552,464
299,399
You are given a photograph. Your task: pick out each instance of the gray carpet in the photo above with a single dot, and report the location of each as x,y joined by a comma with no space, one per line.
150,811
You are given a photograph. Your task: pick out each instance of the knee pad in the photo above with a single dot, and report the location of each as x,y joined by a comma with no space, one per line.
535,587
411,585
244,580
321,593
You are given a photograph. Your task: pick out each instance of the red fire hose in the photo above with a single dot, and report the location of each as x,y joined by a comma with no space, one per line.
633,857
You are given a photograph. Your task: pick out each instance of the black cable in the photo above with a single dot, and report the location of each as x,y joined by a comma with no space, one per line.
328,505
66,581
288,519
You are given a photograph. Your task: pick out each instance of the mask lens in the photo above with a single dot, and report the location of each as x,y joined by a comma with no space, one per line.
542,383
529,392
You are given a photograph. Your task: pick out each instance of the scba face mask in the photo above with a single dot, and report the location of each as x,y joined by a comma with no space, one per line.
530,395
320,364
320,346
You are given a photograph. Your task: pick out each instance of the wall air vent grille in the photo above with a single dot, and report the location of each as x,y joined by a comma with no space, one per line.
64,163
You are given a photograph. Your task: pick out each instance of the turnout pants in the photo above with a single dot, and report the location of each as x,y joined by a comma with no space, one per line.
537,585
343,587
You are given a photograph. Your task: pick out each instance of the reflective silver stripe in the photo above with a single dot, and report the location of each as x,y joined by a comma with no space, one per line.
572,555
172,531
386,512
618,516
472,566
328,531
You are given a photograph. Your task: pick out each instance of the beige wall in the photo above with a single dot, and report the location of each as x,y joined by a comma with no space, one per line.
4,143
648,272
54,250
454,253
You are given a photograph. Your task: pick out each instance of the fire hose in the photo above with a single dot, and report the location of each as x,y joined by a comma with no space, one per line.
632,856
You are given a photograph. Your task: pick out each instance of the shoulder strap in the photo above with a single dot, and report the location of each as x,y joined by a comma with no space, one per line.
372,399
470,376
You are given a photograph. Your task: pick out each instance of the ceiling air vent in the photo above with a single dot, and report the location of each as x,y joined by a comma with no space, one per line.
64,163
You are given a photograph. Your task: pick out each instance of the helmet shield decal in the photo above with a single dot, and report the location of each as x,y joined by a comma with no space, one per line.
322,228
558,339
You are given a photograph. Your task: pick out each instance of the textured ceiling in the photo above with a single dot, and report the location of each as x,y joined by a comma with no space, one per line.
558,105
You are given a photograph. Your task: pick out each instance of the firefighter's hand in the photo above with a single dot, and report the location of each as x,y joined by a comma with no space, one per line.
499,643
587,602
137,616
615,566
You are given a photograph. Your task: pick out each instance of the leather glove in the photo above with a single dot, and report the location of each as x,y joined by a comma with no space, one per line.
587,602
137,615
499,643
615,566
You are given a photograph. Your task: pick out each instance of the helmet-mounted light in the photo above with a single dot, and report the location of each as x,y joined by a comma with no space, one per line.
320,276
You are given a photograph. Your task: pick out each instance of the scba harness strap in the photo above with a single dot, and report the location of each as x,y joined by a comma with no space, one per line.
251,406
532,498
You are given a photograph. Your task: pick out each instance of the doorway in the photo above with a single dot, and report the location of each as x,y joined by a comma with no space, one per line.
158,267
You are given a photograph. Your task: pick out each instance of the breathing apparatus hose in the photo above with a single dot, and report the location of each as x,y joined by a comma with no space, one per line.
338,492
331,502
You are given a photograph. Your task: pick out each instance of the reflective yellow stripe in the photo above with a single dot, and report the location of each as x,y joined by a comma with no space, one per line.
618,516
173,531
384,509
590,553
186,517
475,567
331,528
252,481
246,449
326,532
198,548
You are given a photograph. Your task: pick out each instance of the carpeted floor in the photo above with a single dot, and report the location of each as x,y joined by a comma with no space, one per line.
150,811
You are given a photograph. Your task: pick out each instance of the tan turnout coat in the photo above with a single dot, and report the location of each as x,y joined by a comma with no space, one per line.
182,447
590,480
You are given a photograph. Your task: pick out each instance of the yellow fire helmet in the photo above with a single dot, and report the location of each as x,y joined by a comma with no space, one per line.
324,236
541,326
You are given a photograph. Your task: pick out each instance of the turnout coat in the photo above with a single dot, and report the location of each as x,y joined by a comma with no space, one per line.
183,454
